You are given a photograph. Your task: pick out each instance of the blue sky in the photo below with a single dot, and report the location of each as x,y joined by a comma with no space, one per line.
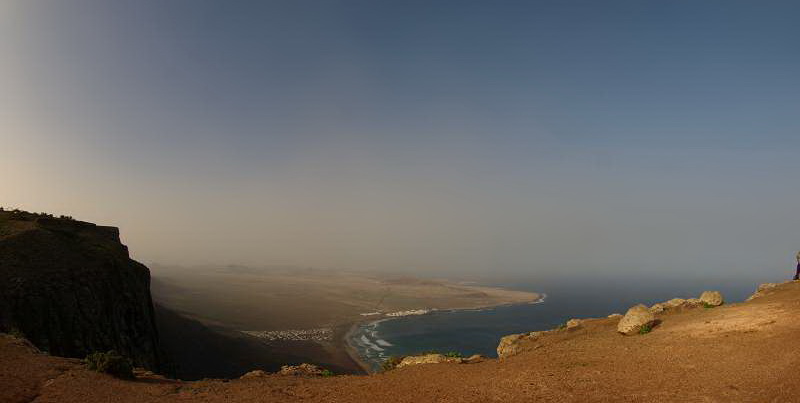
536,137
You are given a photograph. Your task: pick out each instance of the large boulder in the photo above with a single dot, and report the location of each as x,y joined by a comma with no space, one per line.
713,298
635,319
427,359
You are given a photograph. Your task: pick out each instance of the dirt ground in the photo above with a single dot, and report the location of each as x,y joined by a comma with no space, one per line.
747,352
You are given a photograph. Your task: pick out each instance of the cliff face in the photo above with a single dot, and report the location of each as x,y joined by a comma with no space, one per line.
70,288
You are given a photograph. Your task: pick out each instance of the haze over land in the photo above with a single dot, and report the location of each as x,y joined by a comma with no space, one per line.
294,298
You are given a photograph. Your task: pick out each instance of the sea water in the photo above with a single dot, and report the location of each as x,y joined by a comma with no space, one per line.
478,331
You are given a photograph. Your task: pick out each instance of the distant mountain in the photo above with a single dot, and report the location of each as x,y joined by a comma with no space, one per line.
71,288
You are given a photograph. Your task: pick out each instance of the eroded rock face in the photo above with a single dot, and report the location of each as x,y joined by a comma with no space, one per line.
713,298
635,319
301,370
427,359
71,289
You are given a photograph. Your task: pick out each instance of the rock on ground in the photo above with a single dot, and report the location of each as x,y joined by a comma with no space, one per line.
713,298
512,344
301,370
427,359
254,374
658,308
573,323
635,319
509,345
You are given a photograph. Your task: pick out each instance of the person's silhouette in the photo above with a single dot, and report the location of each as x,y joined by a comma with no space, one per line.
797,273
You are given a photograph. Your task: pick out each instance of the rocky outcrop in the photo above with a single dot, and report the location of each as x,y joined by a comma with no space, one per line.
573,324
428,359
254,374
707,298
763,289
637,318
514,344
71,289
301,370
509,345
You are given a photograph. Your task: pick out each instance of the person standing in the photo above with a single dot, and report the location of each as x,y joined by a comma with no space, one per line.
797,273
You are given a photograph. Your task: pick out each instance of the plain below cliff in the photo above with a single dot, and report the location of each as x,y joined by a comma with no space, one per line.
743,352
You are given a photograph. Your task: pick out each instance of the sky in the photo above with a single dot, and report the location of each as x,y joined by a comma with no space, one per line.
494,137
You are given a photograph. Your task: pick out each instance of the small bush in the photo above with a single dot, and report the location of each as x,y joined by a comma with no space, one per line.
110,363
646,328
16,333
391,363
453,354
327,372
707,305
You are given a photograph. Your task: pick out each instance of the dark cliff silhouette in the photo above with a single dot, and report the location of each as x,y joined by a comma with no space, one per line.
71,288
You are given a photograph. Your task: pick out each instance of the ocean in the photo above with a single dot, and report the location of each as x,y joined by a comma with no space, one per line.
478,331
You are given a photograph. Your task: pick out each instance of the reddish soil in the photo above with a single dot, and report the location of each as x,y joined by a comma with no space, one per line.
747,352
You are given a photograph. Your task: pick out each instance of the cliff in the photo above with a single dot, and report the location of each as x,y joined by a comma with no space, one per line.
71,288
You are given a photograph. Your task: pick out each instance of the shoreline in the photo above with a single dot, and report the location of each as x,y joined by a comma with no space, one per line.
352,351
355,354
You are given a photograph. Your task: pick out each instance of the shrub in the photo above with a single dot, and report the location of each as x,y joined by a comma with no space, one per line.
646,328
110,363
327,372
16,333
453,354
390,363
707,305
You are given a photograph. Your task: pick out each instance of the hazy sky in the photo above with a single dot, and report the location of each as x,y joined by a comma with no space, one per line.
494,136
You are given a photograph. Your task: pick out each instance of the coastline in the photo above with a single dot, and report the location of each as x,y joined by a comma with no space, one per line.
352,351
356,356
